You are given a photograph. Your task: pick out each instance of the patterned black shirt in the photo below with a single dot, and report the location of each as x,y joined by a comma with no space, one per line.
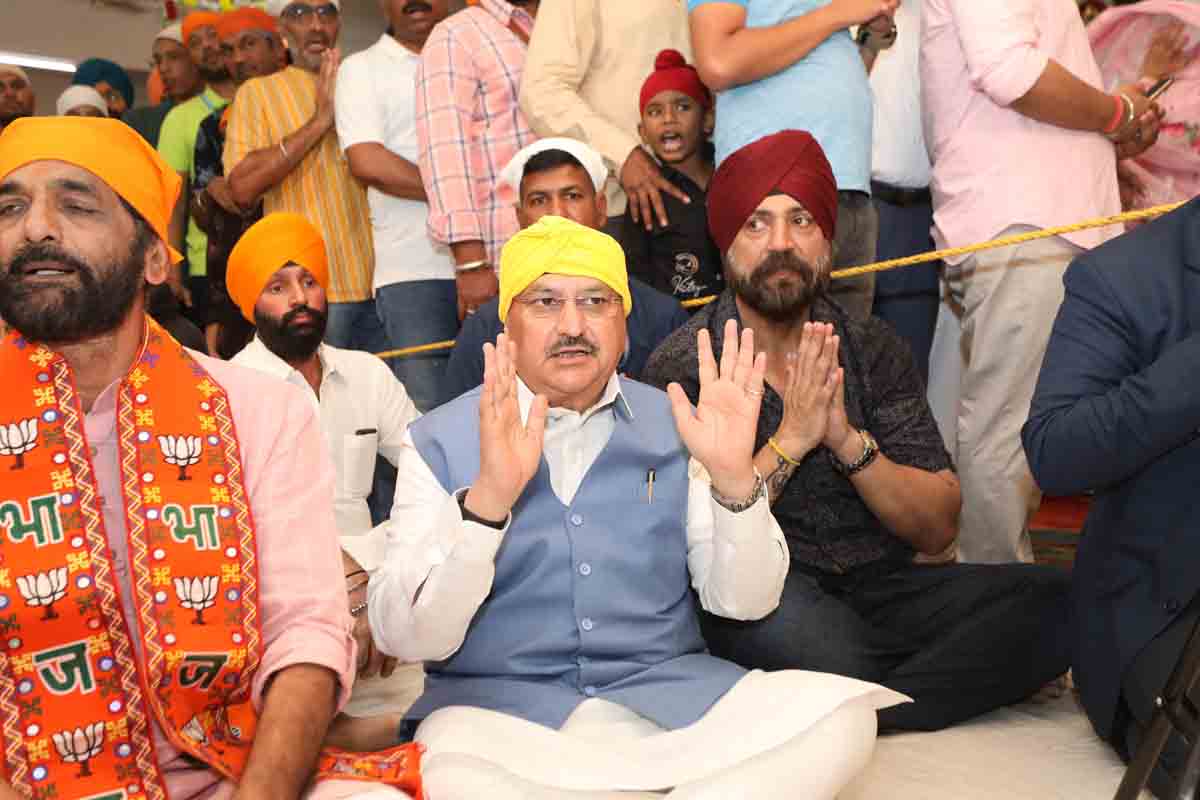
828,526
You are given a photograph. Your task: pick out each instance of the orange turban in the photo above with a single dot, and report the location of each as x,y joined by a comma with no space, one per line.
270,244
198,19
245,18
107,148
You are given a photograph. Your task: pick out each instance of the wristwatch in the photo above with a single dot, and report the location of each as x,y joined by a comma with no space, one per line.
468,516
870,451
736,506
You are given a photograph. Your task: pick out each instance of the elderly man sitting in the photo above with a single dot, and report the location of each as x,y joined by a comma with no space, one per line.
543,553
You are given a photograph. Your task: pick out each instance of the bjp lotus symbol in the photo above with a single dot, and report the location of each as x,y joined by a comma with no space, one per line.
80,746
17,439
197,594
44,589
181,451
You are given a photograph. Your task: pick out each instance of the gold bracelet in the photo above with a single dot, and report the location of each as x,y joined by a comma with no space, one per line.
779,452
283,150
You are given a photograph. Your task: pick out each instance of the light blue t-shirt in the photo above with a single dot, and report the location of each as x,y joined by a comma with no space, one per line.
825,93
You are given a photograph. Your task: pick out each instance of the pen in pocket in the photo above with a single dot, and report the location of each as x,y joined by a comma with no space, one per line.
650,486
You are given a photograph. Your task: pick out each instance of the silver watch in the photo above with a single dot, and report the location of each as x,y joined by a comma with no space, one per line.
736,506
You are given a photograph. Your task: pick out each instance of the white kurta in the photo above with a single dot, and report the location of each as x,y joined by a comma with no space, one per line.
364,413
786,734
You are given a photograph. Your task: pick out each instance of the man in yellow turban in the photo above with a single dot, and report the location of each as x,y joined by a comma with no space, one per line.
543,556
151,492
277,276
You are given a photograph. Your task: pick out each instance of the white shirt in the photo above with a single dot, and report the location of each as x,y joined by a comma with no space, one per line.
438,569
375,101
364,412
898,154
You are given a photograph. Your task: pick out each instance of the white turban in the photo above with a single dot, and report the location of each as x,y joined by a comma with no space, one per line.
13,69
76,96
172,32
276,7
510,177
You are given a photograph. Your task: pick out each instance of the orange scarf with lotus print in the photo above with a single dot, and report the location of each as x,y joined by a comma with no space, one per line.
77,691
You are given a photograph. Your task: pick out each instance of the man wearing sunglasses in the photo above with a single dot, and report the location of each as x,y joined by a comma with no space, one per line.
281,148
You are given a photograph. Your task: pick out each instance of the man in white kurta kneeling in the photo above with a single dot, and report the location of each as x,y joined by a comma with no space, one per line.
548,531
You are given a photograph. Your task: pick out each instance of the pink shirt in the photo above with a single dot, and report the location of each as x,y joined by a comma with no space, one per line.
289,480
994,167
469,125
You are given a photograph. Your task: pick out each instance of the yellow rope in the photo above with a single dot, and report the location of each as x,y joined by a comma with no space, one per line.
896,263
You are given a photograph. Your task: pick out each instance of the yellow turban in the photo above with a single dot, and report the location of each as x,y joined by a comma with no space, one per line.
558,246
273,242
107,148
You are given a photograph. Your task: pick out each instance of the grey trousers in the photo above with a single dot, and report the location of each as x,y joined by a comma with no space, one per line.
854,245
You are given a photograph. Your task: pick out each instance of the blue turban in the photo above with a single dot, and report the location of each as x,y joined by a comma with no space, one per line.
95,70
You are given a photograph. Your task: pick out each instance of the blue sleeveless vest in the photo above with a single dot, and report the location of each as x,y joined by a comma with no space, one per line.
593,599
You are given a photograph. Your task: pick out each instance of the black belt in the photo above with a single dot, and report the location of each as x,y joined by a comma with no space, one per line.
899,196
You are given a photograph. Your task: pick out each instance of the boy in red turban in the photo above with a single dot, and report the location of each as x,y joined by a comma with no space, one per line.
677,121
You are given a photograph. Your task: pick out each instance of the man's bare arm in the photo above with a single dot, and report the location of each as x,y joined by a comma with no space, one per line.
266,167
729,54
380,168
298,706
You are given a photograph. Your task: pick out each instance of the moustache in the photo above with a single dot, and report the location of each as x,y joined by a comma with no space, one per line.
317,38
782,262
43,253
290,317
572,343
416,5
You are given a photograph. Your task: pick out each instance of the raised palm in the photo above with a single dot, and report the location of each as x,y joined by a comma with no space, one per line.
719,432
509,450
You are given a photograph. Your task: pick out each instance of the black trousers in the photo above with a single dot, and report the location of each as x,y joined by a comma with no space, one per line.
1143,681
960,639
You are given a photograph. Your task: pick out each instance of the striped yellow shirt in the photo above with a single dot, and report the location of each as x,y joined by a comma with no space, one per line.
320,188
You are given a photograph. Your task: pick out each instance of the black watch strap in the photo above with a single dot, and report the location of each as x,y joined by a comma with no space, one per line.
469,517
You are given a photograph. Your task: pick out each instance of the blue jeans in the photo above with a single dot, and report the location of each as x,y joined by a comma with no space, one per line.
908,298
355,326
415,313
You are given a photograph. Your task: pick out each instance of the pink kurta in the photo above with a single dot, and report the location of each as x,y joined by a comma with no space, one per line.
1170,170
289,482
994,167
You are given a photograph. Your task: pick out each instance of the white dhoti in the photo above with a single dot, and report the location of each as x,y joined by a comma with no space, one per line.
394,694
992,332
773,735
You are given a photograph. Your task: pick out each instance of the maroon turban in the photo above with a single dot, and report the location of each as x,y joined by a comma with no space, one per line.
788,162
672,72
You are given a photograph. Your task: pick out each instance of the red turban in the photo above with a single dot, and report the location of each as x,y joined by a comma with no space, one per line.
245,18
673,73
789,162
196,20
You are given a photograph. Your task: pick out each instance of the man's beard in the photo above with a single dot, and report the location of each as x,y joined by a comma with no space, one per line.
291,342
7,117
780,303
93,305
218,75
